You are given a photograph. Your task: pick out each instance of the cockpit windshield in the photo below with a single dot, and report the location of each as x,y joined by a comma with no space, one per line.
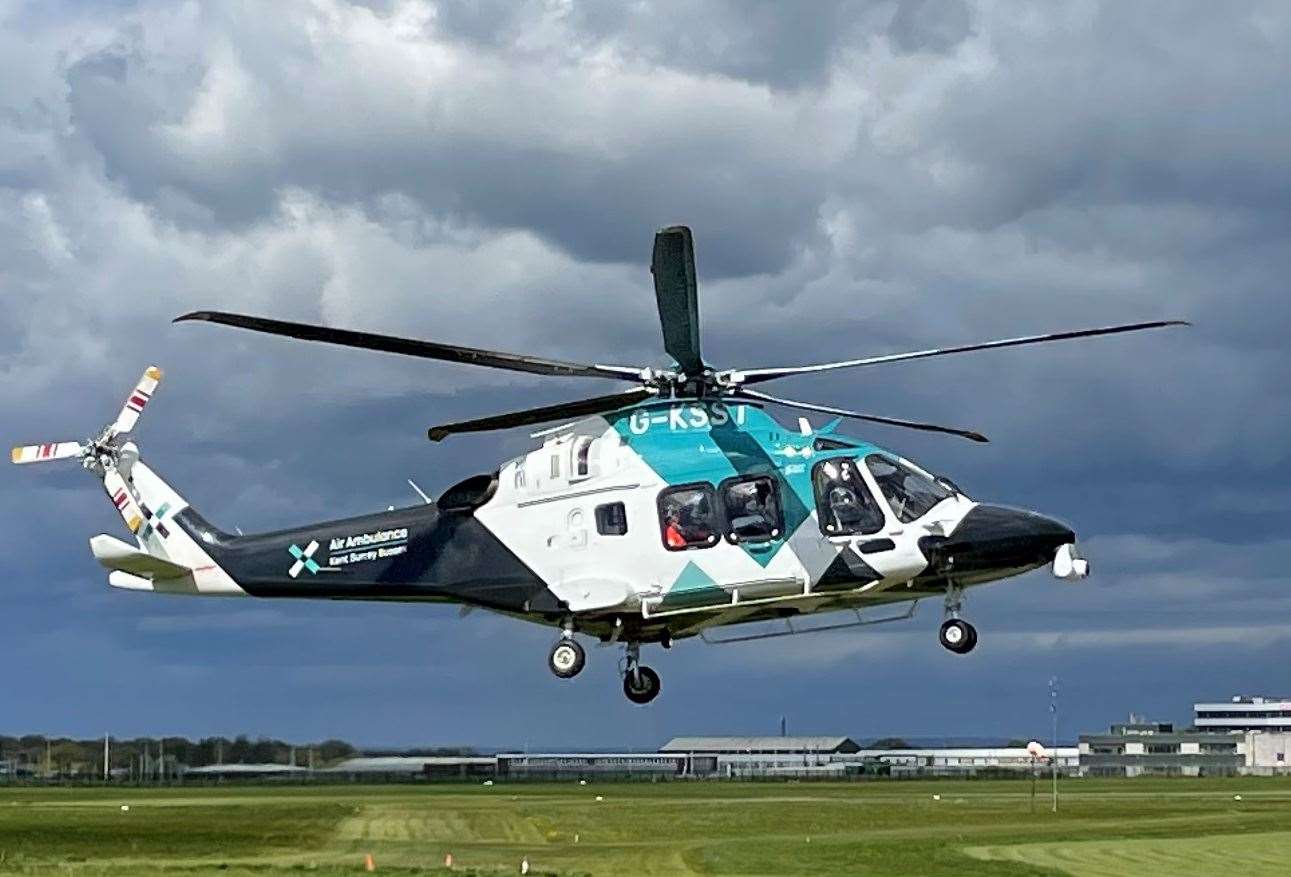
911,494
844,503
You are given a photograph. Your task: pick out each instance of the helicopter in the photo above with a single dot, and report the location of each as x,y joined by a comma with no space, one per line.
668,510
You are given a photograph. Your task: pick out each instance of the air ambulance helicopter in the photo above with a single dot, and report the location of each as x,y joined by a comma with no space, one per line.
647,515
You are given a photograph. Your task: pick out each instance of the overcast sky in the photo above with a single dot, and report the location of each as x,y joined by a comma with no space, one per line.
861,177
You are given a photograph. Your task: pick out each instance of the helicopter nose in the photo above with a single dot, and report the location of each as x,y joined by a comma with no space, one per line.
997,537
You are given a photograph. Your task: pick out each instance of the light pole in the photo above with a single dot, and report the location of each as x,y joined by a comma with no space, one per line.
1053,712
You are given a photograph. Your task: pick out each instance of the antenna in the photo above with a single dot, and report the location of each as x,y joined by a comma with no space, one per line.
420,492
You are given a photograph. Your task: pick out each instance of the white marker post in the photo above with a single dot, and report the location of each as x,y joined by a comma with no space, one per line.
1036,751
1053,709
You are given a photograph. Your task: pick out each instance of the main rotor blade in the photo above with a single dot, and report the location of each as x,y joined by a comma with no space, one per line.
856,415
675,292
545,414
413,347
758,375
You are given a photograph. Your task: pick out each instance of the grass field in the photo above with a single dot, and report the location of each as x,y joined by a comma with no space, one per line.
1104,827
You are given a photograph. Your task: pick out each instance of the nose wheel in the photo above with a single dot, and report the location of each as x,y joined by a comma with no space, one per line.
640,683
566,658
958,636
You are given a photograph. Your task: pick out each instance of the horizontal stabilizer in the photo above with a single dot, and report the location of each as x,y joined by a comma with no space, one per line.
117,555
127,582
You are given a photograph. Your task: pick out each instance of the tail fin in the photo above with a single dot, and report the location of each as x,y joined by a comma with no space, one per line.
168,558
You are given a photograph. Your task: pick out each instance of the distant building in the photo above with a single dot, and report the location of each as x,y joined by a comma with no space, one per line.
761,745
11,769
589,765
1138,748
841,756
970,761
413,767
245,772
1245,714
762,756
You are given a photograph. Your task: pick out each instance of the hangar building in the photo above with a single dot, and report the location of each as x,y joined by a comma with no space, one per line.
761,756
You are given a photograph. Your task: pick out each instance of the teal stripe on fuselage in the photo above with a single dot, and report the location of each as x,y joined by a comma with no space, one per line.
687,441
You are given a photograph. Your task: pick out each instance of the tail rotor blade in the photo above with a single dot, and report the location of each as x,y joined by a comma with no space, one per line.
121,497
136,401
46,452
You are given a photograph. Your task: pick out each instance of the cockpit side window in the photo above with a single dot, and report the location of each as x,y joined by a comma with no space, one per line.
582,453
688,517
844,503
752,509
911,494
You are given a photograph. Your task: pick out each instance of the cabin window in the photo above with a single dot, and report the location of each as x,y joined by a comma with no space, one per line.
844,503
688,517
582,452
612,519
911,494
752,508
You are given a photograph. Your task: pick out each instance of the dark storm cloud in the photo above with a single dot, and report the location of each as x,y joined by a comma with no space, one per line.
763,42
144,113
861,177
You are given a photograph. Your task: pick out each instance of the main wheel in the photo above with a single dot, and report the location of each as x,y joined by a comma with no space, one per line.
567,658
958,636
641,686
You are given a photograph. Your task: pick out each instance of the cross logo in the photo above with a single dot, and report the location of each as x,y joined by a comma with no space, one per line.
154,523
304,559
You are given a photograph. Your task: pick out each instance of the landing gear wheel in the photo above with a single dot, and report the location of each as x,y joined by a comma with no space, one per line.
566,659
641,685
958,636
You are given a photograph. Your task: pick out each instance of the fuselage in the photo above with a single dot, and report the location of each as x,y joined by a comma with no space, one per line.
655,523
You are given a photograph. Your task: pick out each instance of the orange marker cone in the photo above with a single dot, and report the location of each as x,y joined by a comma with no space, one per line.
368,863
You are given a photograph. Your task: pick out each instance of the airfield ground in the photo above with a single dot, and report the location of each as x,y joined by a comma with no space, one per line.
1104,827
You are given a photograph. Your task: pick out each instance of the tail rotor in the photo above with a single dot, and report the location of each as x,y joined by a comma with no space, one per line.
101,452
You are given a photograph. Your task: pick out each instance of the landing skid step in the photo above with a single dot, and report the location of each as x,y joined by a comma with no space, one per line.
796,631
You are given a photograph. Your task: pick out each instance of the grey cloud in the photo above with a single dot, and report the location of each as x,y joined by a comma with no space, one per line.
930,25
764,42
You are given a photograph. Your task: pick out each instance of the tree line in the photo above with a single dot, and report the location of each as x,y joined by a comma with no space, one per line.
142,758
